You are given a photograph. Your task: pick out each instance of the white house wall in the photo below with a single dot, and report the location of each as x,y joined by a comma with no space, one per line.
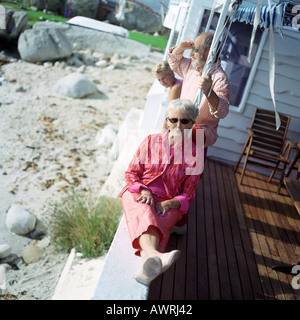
233,129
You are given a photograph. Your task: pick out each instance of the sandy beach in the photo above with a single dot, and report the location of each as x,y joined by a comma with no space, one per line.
50,142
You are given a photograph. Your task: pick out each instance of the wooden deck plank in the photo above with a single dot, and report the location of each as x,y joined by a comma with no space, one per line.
202,283
191,257
222,265
235,234
264,242
213,276
275,247
241,283
257,290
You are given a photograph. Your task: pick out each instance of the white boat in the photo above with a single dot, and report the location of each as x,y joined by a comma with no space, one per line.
98,25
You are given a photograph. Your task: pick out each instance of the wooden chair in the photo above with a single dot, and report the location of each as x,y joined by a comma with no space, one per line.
295,164
265,146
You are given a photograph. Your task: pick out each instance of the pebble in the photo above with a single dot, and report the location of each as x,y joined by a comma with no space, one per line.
32,254
5,250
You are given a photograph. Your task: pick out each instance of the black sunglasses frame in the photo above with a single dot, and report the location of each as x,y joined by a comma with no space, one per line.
183,121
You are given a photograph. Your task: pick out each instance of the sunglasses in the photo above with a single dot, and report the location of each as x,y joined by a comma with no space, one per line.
195,49
183,121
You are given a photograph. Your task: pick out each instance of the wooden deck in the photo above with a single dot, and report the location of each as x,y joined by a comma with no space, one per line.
235,234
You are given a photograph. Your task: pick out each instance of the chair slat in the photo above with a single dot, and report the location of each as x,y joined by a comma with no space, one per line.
264,146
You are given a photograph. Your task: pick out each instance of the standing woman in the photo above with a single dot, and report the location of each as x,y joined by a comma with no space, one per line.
161,183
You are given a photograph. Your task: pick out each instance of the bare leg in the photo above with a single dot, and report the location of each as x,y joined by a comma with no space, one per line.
154,262
149,243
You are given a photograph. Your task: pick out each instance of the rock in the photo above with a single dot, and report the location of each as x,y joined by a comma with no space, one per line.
101,64
44,44
52,5
36,234
31,254
102,42
107,136
75,61
86,8
5,250
3,285
11,260
19,220
75,85
138,18
115,61
16,23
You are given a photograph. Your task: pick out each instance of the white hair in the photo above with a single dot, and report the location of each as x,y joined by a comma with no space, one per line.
183,105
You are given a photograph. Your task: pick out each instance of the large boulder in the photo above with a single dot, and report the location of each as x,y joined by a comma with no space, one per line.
103,42
16,23
138,17
51,5
75,85
44,44
86,8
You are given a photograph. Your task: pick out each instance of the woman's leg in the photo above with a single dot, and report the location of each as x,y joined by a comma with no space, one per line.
148,242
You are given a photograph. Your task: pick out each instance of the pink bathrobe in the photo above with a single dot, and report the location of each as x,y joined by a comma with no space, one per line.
168,173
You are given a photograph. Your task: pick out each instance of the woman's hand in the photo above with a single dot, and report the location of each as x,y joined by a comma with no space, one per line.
146,197
164,206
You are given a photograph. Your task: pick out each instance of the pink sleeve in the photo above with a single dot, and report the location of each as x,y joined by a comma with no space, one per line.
222,90
178,63
135,188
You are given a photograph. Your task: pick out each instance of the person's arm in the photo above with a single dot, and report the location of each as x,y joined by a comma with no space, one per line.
219,97
174,92
177,62
136,167
205,84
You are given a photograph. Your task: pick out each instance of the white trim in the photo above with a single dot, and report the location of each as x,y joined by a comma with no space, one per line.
252,73
181,6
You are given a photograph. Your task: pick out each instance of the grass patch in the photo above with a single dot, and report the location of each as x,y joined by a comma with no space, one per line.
36,16
159,42
81,222
33,16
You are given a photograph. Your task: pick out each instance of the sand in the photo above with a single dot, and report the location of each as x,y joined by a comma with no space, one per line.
49,143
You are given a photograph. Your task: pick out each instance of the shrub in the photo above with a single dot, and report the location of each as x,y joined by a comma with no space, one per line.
80,222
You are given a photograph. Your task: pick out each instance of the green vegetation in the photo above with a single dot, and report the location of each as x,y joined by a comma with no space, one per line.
33,16
159,42
80,222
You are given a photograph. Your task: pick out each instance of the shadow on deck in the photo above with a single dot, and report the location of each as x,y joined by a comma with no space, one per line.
235,234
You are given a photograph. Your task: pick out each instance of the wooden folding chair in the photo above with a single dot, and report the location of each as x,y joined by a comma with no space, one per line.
265,146
295,164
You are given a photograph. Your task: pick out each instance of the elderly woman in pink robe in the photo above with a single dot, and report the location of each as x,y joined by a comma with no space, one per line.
161,182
